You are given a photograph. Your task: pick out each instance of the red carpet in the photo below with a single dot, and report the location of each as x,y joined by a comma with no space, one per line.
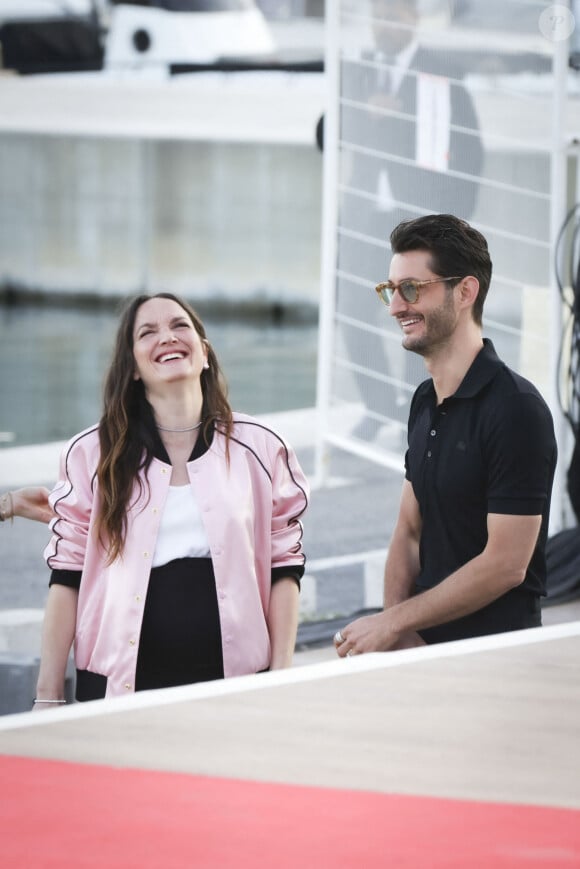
70,815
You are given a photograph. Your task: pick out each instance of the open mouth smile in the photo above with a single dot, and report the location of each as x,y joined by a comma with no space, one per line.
406,322
168,357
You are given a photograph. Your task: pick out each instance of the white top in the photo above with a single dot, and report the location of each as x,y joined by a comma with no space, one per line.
181,533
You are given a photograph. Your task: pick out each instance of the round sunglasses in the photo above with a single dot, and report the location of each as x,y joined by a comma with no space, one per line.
409,289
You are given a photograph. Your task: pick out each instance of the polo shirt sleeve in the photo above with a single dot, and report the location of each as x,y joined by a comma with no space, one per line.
521,450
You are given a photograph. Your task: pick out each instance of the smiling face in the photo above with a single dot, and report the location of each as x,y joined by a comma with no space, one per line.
429,324
166,346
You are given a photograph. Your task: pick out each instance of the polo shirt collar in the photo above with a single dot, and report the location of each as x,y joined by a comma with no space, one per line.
481,371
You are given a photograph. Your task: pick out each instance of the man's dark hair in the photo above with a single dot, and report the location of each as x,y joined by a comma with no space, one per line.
456,248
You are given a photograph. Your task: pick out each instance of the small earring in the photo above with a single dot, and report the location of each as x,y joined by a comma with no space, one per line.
206,365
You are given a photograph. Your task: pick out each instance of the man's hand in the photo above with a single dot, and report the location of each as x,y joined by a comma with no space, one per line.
376,633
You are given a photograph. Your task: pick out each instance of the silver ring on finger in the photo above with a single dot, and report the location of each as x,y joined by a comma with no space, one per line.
338,638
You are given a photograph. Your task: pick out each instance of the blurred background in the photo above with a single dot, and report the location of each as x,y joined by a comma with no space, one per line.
157,146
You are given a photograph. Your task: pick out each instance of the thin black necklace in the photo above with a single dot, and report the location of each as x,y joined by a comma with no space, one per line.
179,430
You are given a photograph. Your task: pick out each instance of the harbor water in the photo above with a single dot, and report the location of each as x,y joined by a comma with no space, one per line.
53,360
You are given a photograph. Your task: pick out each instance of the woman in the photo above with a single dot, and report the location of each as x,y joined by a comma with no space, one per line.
176,553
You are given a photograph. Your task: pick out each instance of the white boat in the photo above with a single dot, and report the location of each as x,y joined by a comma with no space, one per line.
67,35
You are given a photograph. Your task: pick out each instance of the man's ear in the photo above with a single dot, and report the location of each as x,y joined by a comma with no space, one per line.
468,290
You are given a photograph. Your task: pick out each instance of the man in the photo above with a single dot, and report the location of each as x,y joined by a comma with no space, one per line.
408,124
467,553
411,143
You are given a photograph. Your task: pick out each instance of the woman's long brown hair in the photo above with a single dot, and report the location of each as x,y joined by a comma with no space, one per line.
126,447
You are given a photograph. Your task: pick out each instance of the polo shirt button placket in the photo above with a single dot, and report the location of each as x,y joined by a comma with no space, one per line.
433,434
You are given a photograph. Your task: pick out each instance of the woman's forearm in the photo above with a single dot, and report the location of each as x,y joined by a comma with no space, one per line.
58,632
283,622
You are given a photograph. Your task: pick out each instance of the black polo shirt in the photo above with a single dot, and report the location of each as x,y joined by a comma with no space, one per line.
488,448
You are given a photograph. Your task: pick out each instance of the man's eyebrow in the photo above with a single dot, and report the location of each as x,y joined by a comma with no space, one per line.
402,281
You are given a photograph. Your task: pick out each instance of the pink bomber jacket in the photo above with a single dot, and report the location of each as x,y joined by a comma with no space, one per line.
251,511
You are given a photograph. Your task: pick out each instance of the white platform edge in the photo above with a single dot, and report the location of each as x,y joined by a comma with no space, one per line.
294,675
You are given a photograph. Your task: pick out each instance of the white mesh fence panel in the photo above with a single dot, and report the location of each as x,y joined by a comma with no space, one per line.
440,107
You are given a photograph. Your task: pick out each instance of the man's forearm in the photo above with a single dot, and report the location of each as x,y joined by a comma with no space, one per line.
465,591
473,586
401,570
500,567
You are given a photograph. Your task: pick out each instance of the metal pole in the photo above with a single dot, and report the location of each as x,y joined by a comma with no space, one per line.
558,209
328,234
145,218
